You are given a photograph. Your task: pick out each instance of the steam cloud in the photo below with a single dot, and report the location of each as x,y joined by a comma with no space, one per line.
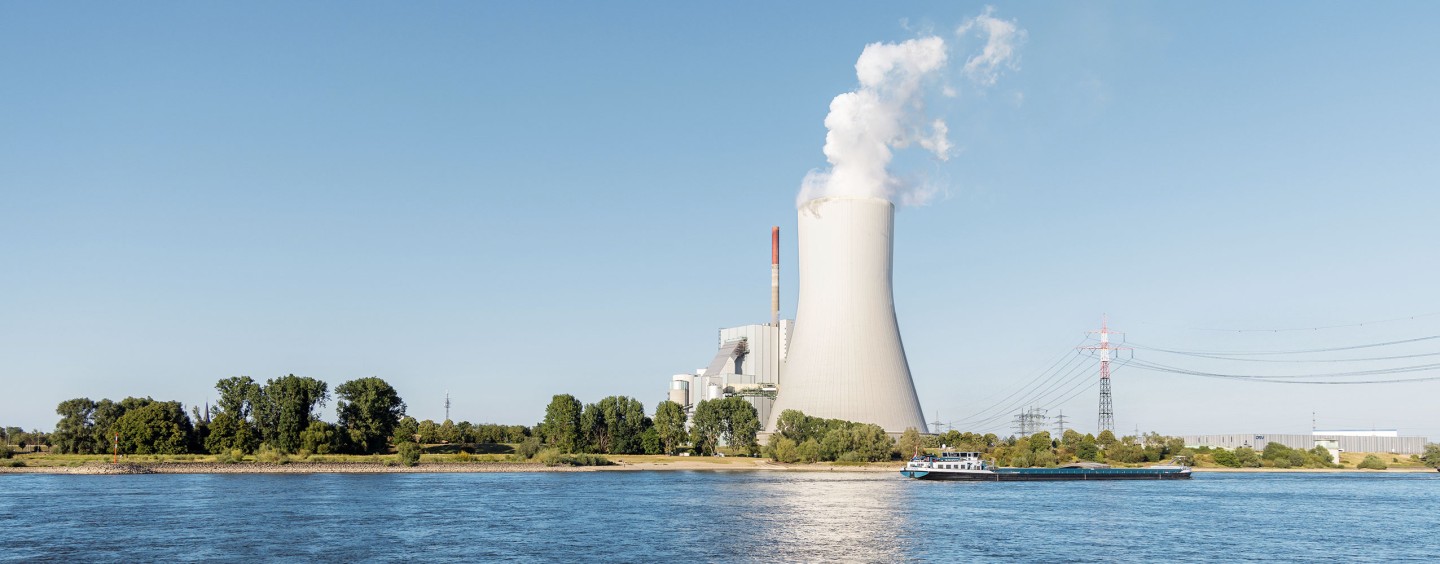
887,111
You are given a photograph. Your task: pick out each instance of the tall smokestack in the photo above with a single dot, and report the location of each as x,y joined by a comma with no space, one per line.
775,276
845,359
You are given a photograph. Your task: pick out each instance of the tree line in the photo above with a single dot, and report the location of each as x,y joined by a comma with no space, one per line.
283,414
618,425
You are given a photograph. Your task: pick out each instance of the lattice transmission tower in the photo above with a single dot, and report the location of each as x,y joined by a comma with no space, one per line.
1107,407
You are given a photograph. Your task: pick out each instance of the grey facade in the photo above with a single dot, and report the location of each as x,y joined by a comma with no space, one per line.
1257,441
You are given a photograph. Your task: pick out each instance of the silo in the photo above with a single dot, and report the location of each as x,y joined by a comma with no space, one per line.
845,358
680,389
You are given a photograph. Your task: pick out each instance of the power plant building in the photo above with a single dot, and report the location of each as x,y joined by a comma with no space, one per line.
842,357
746,364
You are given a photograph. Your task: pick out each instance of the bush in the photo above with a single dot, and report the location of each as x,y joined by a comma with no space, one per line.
462,456
16,464
1372,462
269,455
5,452
528,449
553,457
409,453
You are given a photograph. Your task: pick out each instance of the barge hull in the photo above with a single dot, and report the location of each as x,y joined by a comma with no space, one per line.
1049,475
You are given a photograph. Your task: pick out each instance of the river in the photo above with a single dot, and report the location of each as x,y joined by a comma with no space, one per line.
715,516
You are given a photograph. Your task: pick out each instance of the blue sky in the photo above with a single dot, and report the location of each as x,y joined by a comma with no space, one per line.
508,202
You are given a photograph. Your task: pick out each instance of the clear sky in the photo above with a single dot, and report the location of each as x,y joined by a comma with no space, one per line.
508,202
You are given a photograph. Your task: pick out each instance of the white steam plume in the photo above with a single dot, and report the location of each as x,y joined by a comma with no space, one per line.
1002,40
887,112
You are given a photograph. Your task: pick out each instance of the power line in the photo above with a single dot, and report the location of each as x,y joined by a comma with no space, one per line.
1320,327
1293,379
1266,353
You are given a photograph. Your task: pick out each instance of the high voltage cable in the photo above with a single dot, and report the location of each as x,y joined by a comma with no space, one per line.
1041,374
1052,372
1350,374
1321,327
1292,379
1296,360
1267,353
1075,372
1072,366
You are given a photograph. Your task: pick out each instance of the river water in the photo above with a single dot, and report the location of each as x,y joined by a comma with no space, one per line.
715,516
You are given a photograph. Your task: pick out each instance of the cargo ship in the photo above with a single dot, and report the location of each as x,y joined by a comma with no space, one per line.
969,466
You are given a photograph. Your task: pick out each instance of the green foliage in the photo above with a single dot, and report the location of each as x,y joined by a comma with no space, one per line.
156,428
227,434
270,455
553,457
368,410
561,427
406,430
809,451
409,453
1432,455
781,449
285,407
670,420
909,444
732,421
835,438
1088,449
320,438
1372,462
528,448
1225,458
614,426
650,441
75,432
1040,442
5,452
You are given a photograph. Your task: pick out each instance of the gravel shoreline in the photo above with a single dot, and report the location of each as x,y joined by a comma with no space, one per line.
93,468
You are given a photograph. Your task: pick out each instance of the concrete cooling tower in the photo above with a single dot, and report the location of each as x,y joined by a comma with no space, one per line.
845,359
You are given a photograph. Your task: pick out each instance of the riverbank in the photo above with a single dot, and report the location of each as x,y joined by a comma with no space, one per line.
621,465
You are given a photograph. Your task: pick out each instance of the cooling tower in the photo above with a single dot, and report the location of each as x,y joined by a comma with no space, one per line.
845,359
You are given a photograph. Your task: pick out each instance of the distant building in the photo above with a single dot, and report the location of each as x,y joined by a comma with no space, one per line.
746,364
1344,441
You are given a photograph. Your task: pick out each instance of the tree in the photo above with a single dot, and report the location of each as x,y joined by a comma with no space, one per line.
909,443
406,430
368,411
732,421
1105,440
227,433
160,427
1226,458
75,432
783,449
320,438
231,426
1431,456
705,427
1040,442
561,427
285,408
670,425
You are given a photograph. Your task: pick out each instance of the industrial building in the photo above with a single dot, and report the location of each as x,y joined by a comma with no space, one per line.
747,364
1342,440
842,357
845,359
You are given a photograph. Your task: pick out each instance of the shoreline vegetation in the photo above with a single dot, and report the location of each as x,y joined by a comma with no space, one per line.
383,464
277,427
